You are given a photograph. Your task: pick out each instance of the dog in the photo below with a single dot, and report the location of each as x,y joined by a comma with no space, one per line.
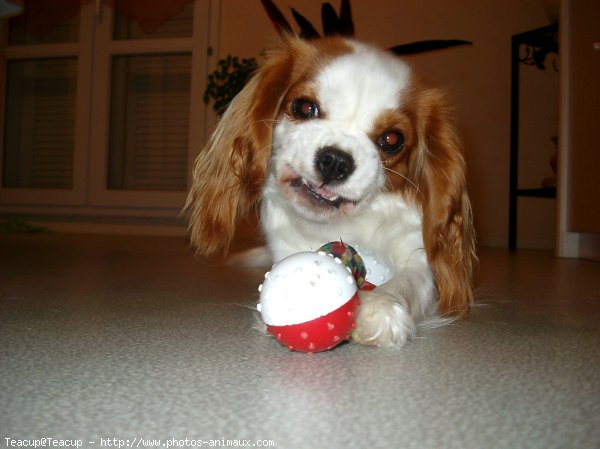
334,139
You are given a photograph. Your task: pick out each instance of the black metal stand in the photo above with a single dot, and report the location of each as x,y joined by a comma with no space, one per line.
539,42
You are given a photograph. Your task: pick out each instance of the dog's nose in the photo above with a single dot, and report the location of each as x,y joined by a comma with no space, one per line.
334,164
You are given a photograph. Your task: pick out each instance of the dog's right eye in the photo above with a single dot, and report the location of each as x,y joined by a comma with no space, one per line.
304,109
391,142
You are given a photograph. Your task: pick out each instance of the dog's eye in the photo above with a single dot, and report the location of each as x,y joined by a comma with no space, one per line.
304,109
391,142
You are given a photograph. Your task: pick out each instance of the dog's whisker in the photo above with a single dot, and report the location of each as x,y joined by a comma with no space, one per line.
251,305
269,122
410,181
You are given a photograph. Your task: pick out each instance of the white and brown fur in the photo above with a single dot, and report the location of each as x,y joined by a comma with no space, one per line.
338,140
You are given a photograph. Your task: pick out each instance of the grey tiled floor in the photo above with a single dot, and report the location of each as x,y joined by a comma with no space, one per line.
132,337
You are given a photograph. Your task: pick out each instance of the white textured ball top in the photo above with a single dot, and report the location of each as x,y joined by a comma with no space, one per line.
304,286
378,272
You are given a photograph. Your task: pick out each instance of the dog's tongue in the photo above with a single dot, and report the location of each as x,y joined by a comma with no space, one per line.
323,192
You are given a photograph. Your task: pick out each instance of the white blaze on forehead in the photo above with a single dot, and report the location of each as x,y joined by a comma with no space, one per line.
356,87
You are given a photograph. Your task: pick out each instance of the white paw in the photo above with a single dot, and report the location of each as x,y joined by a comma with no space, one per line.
382,321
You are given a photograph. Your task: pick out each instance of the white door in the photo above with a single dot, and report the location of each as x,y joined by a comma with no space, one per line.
102,117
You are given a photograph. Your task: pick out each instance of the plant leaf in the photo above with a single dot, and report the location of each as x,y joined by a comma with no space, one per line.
425,46
307,30
277,18
227,80
330,20
345,21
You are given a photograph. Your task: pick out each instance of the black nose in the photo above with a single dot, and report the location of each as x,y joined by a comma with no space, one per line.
334,164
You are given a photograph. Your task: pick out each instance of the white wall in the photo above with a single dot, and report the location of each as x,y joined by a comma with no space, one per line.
478,77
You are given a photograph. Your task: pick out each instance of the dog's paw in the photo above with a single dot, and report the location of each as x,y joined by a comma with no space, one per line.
382,321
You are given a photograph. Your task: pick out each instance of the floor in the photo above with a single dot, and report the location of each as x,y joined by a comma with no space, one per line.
122,340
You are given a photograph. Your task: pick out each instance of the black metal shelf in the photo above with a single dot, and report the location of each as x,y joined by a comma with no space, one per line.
539,42
543,192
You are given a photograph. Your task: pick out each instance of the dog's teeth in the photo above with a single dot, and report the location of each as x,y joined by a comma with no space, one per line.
334,198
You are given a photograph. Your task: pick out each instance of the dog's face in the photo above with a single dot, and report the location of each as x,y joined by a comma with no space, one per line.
341,129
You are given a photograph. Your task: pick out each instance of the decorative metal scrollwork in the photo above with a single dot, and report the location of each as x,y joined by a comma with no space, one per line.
536,53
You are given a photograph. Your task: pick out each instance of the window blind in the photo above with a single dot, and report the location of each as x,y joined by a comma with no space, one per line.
40,123
149,122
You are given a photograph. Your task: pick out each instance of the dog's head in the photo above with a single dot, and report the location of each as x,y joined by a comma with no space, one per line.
342,130
333,123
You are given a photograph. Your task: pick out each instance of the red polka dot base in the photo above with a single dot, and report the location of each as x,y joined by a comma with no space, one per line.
321,334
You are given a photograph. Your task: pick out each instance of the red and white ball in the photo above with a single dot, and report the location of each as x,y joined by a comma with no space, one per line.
308,301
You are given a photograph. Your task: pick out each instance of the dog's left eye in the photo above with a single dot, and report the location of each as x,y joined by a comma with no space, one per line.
391,142
304,109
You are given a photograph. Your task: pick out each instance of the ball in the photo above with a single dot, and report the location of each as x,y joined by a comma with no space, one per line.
308,301
349,257
377,271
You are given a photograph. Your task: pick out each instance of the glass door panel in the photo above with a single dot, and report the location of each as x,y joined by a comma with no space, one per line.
21,27
149,118
44,111
40,123
180,25
146,96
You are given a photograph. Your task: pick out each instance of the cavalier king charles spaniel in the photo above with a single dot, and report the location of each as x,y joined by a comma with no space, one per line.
338,140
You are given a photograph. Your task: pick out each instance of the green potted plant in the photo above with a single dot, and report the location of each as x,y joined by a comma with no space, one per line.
227,80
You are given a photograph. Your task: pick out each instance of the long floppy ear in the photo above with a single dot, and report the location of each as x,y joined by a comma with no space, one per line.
447,219
229,172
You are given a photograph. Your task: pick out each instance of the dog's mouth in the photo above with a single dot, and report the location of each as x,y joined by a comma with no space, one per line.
318,194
